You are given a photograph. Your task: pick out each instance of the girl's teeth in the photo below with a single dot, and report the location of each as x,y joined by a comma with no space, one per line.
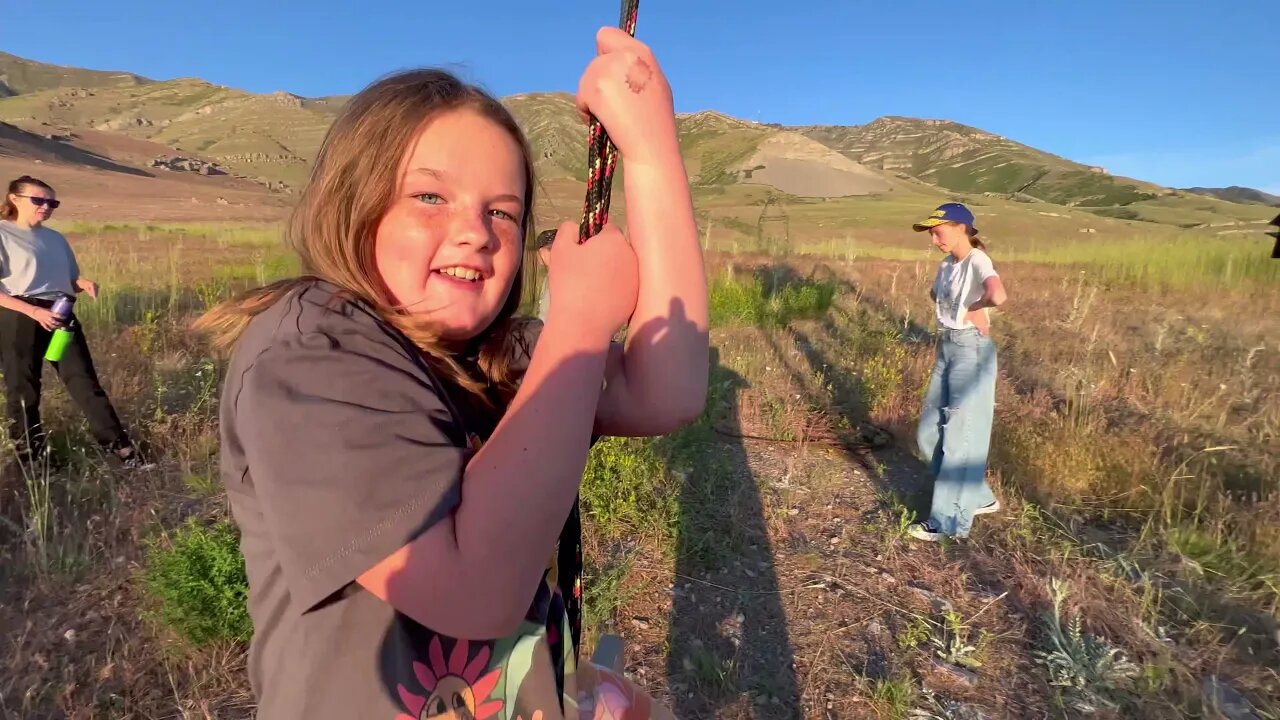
461,273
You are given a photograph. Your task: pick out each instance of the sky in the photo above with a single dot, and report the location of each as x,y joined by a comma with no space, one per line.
1176,92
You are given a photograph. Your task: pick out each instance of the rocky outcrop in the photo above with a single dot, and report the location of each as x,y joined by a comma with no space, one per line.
259,157
288,100
275,185
121,123
185,164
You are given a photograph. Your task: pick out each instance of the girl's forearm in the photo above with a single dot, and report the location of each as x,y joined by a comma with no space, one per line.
666,351
982,303
10,302
526,476
516,492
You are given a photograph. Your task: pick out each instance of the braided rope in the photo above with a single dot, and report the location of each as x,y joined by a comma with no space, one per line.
602,156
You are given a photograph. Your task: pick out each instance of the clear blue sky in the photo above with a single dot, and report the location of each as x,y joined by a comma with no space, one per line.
1177,92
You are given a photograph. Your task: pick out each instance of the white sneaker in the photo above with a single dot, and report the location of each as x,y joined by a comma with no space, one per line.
993,506
135,461
924,531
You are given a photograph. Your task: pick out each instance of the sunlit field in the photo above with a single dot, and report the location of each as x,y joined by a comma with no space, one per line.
755,562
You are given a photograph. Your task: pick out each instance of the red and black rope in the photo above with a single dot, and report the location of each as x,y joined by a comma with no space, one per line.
602,158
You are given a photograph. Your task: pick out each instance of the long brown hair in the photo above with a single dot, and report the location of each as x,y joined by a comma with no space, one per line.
974,240
355,177
9,211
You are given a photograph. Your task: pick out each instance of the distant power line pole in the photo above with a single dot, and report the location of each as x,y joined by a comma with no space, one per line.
773,215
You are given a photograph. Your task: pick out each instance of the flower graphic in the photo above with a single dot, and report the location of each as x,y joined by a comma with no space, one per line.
456,691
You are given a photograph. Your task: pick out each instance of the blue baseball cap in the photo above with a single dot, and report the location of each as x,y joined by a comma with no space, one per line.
947,212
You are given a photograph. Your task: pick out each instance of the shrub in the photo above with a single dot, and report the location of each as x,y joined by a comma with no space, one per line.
748,302
625,488
197,580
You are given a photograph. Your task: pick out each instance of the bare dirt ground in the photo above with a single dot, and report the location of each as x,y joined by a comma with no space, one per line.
105,177
800,166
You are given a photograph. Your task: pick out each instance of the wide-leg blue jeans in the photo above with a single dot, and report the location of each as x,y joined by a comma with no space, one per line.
954,435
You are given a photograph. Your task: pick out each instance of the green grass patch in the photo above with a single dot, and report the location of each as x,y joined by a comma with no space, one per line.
246,233
1178,262
197,580
264,269
626,490
894,697
1224,564
605,589
760,303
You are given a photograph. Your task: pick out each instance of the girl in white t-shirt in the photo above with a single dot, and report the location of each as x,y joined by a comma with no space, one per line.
954,434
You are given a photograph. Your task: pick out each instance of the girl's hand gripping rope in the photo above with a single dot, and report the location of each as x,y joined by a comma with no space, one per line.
624,87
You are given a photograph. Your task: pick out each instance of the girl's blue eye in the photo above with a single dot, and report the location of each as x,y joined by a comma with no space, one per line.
429,198
506,215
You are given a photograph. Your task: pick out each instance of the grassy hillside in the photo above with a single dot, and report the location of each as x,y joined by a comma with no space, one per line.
1186,210
959,157
715,145
271,137
558,137
968,160
1237,194
19,76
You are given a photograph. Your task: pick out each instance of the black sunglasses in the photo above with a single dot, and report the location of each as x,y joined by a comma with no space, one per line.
41,202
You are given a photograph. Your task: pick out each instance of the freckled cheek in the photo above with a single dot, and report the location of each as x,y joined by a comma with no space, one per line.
404,260
507,260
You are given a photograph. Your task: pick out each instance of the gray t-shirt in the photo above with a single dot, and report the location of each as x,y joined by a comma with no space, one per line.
339,446
36,262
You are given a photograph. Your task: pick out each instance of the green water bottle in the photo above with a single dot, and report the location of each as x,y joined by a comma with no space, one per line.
62,336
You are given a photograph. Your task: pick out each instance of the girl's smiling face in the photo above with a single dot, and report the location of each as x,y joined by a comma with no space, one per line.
450,244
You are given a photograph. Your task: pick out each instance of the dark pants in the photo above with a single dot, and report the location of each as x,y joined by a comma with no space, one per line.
22,346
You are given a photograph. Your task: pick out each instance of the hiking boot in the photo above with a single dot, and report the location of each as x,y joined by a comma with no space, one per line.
131,459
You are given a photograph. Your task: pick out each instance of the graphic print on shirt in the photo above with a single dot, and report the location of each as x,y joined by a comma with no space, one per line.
457,690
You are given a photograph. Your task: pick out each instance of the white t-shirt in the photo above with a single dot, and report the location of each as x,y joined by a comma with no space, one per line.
959,285
36,262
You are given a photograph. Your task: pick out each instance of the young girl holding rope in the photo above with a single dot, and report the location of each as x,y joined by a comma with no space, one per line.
398,453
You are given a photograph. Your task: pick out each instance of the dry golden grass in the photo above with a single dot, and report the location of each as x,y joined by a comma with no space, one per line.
756,561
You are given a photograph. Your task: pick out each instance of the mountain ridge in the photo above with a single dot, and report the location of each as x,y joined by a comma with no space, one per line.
271,138
20,75
1238,194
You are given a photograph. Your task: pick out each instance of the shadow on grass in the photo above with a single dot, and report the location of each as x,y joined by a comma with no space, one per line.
728,640
897,474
